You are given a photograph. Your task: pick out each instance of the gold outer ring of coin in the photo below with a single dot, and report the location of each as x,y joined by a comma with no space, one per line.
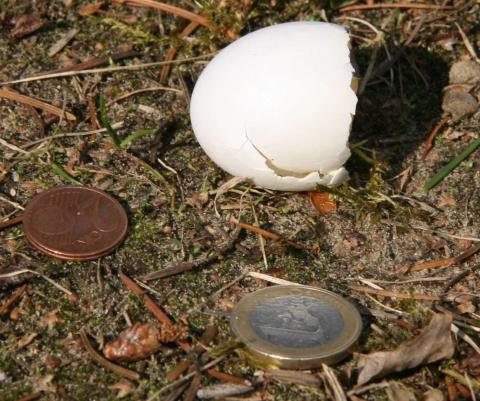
296,358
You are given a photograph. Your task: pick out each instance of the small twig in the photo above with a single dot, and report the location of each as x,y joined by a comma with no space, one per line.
432,264
176,393
271,279
120,370
465,337
134,67
429,142
14,204
266,234
11,222
333,383
151,306
136,92
228,378
394,294
458,277
207,336
189,29
467,43
394,5
10,146
191,393
96,62
185,266
70,294
186,377
18,97
169,9
437,232
72,134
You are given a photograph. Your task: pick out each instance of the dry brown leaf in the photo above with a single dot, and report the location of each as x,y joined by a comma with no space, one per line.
141,340
434,343
124,387
323,201
26,24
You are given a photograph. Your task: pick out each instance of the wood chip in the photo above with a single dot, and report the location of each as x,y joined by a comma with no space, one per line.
13,95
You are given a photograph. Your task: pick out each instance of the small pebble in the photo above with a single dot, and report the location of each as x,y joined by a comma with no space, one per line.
3,376
459,104
465,72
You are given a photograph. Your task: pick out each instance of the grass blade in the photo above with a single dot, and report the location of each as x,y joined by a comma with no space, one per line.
57,169
136,135
445,170
106,122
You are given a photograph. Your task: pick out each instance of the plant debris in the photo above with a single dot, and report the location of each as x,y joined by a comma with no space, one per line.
405,247
129,374
323,202
433,344
26,24
222,390
142,340
471,365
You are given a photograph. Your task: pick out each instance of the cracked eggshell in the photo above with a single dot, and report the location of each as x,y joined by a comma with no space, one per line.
276,106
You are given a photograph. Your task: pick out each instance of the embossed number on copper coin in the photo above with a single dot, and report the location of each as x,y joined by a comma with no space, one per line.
75,223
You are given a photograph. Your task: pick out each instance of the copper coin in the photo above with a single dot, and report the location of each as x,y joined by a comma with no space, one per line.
75,223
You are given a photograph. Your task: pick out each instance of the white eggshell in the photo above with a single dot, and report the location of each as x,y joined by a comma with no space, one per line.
276,106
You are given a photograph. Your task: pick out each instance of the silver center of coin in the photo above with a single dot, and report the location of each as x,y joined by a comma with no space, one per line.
296,321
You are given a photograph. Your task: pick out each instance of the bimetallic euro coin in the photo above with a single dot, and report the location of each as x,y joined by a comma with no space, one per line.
296,327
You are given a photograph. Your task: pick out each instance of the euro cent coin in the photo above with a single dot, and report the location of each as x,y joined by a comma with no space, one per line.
296,327
75,223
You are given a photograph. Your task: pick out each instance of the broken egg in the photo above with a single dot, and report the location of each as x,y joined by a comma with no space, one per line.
276,106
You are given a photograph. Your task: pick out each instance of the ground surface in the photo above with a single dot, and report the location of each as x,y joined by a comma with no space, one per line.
384,219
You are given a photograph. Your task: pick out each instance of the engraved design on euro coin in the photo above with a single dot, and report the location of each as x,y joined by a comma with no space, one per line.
296,321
